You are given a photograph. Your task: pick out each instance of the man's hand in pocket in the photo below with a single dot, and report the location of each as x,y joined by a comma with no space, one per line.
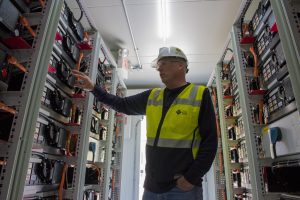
183,184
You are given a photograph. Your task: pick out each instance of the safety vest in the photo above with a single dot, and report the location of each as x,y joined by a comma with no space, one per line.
179,128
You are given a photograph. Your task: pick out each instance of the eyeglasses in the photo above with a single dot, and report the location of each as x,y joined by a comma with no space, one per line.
165,63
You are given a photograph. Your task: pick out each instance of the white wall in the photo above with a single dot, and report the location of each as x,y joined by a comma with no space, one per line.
131,156
210,185
130,160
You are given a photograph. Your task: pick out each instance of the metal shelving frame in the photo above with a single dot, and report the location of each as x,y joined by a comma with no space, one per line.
84,133
223,129
18,149
116,79
219,179
108,167
287,22
250,131
120,139
19,145
108,146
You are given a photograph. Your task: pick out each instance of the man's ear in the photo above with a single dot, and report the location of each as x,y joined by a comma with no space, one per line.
182,66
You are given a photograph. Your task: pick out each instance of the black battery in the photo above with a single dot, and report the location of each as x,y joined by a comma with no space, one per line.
58,102
9,15
58,167
282,179
6,120
92,176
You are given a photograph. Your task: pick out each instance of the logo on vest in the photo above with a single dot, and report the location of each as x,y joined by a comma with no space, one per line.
181,112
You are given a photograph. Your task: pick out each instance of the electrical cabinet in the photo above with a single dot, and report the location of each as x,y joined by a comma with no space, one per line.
258,102
57,141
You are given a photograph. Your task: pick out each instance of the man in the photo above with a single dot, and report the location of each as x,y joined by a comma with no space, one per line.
181,130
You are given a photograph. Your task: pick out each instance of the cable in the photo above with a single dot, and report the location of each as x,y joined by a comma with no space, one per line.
69,135
255,70
81,15
61,184
83,7
81,12
229,49
102,62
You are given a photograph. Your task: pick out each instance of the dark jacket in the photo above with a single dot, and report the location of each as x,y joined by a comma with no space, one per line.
162,163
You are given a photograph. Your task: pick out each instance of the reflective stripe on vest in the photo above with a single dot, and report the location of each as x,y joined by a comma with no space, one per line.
174,143
180,126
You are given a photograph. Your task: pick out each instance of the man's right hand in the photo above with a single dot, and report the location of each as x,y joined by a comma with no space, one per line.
83,81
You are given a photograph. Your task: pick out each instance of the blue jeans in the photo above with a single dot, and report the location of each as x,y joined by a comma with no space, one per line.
175,194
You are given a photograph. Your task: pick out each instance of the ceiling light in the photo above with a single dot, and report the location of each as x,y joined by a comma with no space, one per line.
163,20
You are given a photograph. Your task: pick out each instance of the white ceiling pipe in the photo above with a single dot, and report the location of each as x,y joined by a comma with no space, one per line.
131,34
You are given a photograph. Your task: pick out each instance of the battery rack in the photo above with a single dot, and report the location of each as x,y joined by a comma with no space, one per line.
45,120
24,42
112,151
69,143
238,184
117,147
218,164
100,129
264,104
55,165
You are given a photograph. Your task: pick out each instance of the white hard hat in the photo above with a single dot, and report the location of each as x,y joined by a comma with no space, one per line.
169,52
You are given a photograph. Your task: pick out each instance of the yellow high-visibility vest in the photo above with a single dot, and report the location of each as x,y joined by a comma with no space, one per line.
179,128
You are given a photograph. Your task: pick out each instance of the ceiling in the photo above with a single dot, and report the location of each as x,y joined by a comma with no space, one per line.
199,27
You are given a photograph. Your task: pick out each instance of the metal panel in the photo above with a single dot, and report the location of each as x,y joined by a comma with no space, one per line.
291,11
288,22
11,98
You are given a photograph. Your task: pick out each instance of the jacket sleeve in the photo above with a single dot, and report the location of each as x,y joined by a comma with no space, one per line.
132,105
209,142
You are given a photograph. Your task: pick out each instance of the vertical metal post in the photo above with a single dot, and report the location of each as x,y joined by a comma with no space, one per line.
108,149
120,139
223,128
85,126
253,160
